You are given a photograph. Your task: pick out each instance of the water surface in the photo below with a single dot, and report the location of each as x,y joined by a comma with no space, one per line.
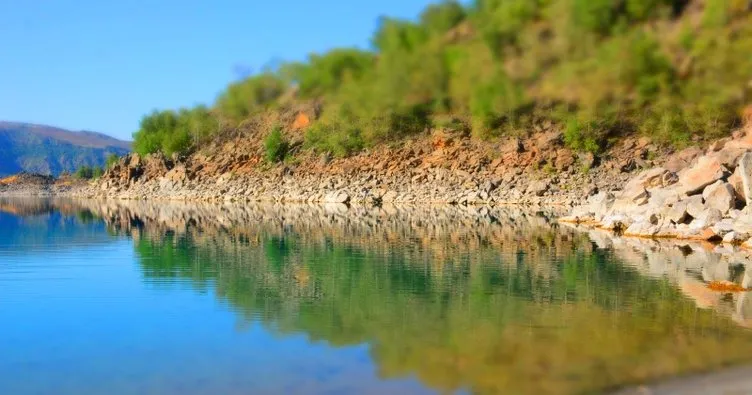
179,299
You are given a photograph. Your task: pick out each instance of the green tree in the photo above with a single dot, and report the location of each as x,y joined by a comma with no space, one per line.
85,173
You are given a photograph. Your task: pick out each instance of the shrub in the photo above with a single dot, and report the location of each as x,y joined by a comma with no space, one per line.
247,97
89,172
583,136
341,139
97,172
275,146
174,132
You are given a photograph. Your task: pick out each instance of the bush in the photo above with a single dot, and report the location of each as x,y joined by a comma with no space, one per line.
89,172
84,173
245,98
341,139
584,136
275,146
97,172
174,132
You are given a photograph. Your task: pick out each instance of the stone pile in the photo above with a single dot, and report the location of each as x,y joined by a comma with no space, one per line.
708,198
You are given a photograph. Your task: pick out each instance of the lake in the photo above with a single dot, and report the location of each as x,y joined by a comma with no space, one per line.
168,298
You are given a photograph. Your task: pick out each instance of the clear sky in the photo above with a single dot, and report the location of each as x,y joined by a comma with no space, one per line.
100,65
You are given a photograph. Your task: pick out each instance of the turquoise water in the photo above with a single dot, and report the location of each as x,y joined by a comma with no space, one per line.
159,299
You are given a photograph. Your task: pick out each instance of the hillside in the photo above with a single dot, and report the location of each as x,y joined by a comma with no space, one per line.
676,71
49,150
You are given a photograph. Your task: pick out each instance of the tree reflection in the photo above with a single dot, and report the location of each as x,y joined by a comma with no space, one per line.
527,311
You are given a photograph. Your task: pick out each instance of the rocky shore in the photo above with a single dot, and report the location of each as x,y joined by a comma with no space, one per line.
635,189
444,168
28,184
709,199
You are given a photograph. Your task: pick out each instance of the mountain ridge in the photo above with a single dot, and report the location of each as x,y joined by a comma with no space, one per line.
51,150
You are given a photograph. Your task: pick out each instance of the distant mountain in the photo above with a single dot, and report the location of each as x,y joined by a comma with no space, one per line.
50,150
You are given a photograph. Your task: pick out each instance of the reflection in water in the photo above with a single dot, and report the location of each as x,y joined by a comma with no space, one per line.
485,300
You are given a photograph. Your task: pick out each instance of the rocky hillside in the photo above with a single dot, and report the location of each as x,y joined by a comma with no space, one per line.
49,150
438,167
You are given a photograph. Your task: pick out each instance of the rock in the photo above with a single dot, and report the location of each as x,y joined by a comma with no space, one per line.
735,238
682,159
587,159
538,188
736,181
389,197
177,174
745,163
617,222
729,156
708,218
678,213
549,139
695,206
134,160
599,204
720,196
642,229
705,172
564,160
337,197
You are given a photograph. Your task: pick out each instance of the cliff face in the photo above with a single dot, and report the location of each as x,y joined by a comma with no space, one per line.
49,150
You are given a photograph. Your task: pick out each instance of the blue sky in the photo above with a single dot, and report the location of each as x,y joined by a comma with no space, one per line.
101,65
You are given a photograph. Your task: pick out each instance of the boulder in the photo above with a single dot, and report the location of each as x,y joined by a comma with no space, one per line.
642,229
729,156
745,163
705,172
682,159
538,188
736,181
600,203
720,196
177,174
337,197
678,213
708,218
695,206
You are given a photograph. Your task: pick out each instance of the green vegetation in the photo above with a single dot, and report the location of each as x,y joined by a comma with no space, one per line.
89,172
111,160
517,312
603,69
275,146
174,131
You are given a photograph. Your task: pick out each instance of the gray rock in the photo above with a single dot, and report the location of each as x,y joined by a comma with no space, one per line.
695,205
721,196
709,217
745,163
678,213
538,188
337,197
735,237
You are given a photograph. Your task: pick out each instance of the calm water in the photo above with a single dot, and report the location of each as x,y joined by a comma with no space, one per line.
166,299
